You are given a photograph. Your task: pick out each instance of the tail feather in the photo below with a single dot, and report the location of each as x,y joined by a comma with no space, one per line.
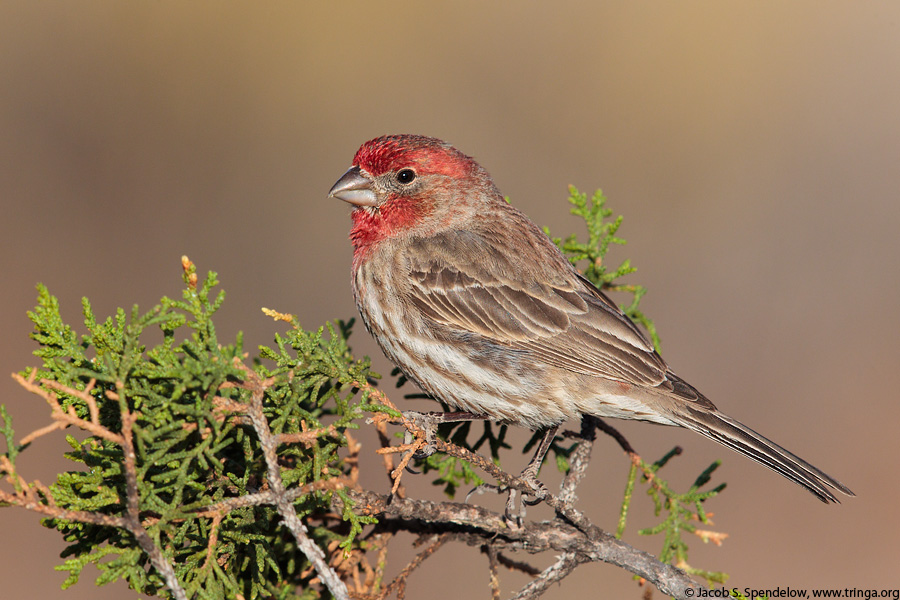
742,439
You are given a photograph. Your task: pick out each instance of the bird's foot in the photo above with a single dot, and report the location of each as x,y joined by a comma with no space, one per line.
427,423
539,490
516,500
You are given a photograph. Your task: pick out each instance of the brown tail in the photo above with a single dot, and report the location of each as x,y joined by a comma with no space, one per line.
741,438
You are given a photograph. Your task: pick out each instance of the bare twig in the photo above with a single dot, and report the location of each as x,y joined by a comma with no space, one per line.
493,564
41,432
614,434
270,497
399,583
213,539
257,388
68,417
517,565
555,572
381,428
508,481
579,460
307,436
475,526
132,513
408,450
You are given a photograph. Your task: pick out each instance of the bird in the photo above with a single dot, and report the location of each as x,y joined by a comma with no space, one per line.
479,308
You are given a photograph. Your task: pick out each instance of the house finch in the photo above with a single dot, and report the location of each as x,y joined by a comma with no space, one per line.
479,308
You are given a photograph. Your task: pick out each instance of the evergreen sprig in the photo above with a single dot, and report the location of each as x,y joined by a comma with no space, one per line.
192,454
602,233
683,511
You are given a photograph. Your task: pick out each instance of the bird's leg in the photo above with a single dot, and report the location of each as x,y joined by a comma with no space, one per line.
515,512
530,473
429,422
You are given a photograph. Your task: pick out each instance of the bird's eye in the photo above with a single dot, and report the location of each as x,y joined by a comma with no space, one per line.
406,176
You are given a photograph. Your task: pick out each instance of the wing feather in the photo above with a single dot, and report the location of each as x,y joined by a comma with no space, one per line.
565,322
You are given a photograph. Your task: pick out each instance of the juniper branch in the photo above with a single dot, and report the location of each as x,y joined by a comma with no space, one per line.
476,526
552,574
131,520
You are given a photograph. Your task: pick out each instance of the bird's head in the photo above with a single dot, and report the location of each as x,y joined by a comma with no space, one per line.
400,184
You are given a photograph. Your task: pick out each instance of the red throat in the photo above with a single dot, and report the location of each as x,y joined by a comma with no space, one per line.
393,217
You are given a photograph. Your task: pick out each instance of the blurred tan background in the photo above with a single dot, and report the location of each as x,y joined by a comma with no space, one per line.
752,147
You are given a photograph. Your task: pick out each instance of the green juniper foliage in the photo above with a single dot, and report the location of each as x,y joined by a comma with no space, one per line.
191,454
683,512
602,233
195,452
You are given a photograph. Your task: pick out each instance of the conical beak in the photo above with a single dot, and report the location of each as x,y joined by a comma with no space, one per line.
354,187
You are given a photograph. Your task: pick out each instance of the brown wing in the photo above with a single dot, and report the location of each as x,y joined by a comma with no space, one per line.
460,281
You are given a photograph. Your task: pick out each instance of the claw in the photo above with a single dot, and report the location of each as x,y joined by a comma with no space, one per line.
484,488
513,515
425,452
